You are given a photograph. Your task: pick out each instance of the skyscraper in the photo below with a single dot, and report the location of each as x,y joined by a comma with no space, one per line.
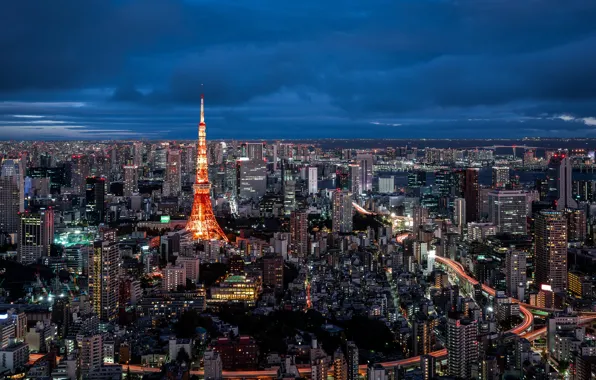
91,354
131,180
342,211
104,270
428,365
551,249
273,272
173,178
80,171
365,161
252,178
500,177
9,204
253,151
95,195
312,180
471,193
576,225
515,273
462,346
559,182
36,234
386,185
459,213
299,233
352,359
173,276
355,180
507,210
202,222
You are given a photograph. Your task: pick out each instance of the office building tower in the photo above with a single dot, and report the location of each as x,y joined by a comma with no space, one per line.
355,179
36,234
342,212
79,173
173,178
312,180
507,211
299,233
253,151
387,185
416,179
213,365
471,194
202,222
91,354
191,266
462,346
173,276
559,183
422,335
428,365
289,197
352,360
515,273
551,250
131,180
500,177
10,204
576,225
104,271
365,161
95,196
252,178
273,272
459,213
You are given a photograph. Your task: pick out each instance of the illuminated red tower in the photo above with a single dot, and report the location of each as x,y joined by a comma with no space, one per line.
202,222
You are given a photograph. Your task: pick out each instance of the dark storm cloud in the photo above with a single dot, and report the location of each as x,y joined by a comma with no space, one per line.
391,59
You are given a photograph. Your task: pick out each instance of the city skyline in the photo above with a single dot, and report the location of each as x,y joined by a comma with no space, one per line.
131,69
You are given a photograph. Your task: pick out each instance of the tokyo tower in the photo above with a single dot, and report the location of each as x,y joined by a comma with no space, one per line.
202,222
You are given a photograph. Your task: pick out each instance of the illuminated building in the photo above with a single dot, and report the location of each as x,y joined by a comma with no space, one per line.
91,354
312,180
428,365
36,234
471,194
507,211
355,179
202,222
551,250
515,273
213,365
95,195
252,178
173,276
352,359
9,204
342,212
80,171
172,304
241,353
500,177
191,267
236,289
559,182
273,272
104,286
253,151
579,284
462,346
365,161
131,180
299,233
173,179
340,366
576,225
387,185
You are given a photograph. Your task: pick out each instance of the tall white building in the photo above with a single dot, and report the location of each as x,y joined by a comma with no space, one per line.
365,161
515,273
459,213
191,266
386,185
507,211
342,211
312,180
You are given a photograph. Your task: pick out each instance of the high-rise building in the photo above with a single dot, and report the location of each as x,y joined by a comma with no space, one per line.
91,354
428,365
422,335
202,222
312,180
551,250
352,359
173,178
131,180
459,213
80,171
191,267
173,276
507,210
289,196
515,273
355,180
273,272
10,206
559,177
253,151
417,179
386,185
104,271
342,212
213,365
36,234
462,346
95,195
299,233
340,366
471,194
252,178
365,161
576,225
501,177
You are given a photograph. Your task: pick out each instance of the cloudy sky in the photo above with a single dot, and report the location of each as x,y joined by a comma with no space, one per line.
75,69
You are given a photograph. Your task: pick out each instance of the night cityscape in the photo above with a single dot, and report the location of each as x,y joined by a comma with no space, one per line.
373,190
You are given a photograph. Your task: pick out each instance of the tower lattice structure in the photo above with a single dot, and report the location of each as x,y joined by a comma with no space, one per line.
202,222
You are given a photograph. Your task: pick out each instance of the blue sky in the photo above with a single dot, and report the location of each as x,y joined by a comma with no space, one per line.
91,69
